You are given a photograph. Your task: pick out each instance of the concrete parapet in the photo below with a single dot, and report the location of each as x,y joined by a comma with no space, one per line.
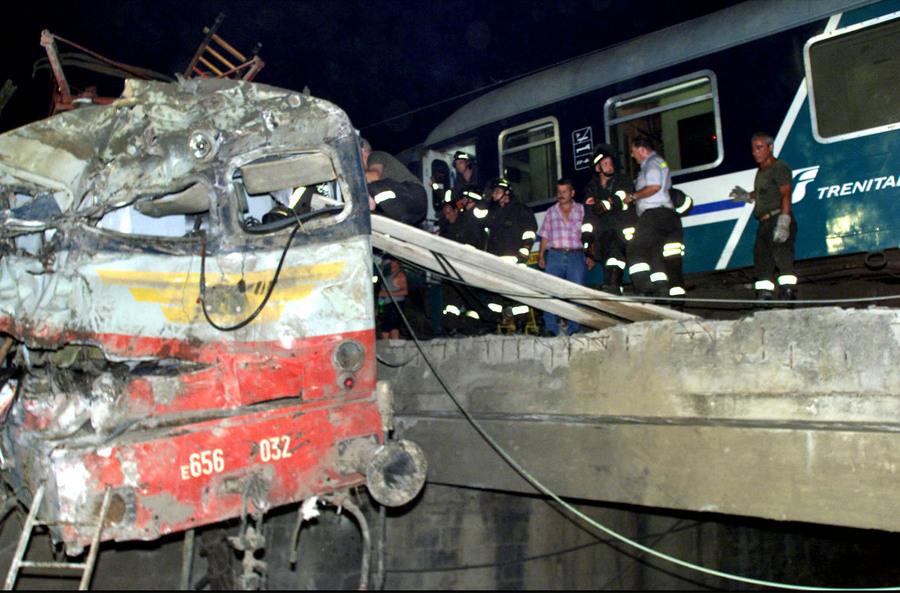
787,414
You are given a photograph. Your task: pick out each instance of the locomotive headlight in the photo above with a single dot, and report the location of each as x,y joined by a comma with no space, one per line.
349,356
202,145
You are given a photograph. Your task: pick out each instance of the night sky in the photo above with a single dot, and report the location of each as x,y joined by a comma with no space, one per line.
397,68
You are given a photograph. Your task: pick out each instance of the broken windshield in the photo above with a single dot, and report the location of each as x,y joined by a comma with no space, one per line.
169,215
277,192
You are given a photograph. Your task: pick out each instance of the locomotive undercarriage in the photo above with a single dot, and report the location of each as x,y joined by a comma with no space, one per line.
63,406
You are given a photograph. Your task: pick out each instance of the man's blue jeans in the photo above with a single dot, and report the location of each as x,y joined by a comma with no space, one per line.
571,267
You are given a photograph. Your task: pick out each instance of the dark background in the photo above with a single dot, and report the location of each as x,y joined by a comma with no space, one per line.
397,68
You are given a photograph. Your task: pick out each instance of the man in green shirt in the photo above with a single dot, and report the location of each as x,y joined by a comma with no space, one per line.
773,252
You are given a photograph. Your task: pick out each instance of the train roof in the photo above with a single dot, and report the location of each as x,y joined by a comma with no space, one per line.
688,40
74,152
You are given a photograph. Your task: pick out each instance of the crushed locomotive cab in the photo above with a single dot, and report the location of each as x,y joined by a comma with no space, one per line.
186,282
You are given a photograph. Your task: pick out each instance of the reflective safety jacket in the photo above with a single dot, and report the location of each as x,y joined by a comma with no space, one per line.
512,230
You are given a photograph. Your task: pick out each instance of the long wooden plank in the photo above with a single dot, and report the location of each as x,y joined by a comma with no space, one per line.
520,280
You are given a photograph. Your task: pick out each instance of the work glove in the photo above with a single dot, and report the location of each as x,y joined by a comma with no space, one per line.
739,194
782,228
617,201
600,207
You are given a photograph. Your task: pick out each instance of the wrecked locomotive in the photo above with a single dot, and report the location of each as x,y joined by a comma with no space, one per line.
170,341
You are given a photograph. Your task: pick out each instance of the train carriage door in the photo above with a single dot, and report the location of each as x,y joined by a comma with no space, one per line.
848,179
440,174
437,176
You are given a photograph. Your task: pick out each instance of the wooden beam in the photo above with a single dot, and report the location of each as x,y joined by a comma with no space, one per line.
517,282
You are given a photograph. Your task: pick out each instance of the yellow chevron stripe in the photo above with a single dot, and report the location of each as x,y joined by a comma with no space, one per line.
270,314
178,293
298,274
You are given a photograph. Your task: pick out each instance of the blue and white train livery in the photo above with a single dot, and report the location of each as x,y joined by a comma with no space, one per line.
822,77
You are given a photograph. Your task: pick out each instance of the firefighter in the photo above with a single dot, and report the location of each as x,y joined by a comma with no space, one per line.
464,167
463,311
512,227
615,221
512,230
452,299
773,251
299,203
473,217
440,183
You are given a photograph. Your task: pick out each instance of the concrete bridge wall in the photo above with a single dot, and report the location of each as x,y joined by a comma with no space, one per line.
786,415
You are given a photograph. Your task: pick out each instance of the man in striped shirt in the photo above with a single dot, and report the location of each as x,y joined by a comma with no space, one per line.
562,251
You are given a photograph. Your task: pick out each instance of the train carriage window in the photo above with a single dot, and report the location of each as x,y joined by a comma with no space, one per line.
530,159
681,116
861,95
279,192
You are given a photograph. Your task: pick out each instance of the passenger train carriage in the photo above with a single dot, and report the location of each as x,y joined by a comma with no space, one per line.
821,77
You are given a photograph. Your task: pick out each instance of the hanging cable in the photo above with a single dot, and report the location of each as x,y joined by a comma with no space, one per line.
265,299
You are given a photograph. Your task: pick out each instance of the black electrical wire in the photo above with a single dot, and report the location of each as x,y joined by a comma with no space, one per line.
265,299
298,219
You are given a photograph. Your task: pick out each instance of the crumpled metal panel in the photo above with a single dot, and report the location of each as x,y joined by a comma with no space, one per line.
200,367
100,155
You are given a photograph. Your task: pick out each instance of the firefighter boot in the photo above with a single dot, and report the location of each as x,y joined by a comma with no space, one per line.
764,299
661,290
787,293
612,280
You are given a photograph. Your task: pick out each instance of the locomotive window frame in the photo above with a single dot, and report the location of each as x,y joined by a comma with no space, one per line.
861,97
278,191
684,112
536,145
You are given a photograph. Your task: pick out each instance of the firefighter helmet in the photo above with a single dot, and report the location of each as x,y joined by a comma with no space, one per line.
499,182
602,151
460,155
